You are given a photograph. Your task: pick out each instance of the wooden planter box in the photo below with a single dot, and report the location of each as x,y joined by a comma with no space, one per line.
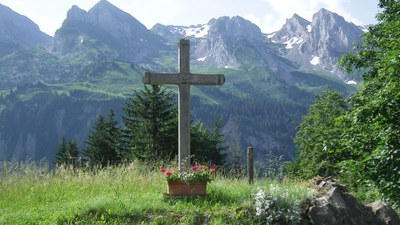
181,188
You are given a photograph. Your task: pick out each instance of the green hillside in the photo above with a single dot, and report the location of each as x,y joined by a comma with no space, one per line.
130,194
51,91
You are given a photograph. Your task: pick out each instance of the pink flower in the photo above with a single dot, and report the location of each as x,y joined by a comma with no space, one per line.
201,167
168,173
162,170
194,168
213,167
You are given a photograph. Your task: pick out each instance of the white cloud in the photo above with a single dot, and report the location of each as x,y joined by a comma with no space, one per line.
269,15
267,23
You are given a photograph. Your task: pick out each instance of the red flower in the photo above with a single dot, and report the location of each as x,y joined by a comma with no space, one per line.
162,170
201,167
194,168
213,167
168,173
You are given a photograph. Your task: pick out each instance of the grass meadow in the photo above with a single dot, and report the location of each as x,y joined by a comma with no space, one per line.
128,194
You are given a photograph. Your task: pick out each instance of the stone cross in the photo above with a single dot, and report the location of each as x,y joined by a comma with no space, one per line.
183,79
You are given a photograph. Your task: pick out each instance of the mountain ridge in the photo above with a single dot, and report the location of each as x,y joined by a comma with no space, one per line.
111,27
19,32
318,45
98,58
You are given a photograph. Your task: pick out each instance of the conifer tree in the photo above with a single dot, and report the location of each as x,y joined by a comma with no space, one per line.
103,143
206,146
218,141
150,123
66,152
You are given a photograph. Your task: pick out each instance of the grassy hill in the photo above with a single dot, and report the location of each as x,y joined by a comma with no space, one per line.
130,194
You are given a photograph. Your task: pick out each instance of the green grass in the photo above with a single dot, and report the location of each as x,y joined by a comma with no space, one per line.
129,194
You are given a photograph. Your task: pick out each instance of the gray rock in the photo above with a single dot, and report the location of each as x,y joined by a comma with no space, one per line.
317,45
386,214
334,206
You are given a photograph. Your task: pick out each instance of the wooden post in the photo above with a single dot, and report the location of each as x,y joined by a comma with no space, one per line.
250,168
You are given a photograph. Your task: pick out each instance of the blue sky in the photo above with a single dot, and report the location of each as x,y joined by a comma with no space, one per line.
269,15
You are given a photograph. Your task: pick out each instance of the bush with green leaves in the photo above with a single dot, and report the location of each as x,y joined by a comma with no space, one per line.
372,126
276,205
318,137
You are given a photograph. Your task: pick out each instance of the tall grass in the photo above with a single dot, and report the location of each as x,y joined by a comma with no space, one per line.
127,194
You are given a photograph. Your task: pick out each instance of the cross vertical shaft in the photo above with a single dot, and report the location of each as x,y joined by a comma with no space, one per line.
184,106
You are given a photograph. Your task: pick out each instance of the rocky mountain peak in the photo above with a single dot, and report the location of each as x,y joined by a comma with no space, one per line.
327,18
298,19
110,26
329,27
317,45
295,27
104,10
105,4
76,14
235,27
18,32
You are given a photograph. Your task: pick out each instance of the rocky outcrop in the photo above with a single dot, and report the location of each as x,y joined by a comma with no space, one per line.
334,206
19,32
105,24
317,45
226,39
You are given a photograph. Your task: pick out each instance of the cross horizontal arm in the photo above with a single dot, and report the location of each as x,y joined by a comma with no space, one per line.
176,78
161,78
207,79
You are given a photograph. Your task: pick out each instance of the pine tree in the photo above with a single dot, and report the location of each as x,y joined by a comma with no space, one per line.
218,141
237,160
67,152
200,143
206,146
103,143
150,125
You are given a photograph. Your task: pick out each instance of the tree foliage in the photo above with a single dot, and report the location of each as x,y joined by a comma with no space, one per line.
207,146
151,129
67,152
150,125
317,137
372,133
103,143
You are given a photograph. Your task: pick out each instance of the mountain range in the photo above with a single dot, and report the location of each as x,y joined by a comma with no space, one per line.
54,87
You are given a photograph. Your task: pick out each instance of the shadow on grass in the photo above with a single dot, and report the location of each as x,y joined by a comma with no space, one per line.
213,197
102,216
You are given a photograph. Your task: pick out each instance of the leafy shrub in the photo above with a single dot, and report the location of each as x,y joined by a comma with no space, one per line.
275,205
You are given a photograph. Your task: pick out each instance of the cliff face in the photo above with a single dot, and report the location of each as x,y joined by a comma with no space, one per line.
318,45
106,25
19,32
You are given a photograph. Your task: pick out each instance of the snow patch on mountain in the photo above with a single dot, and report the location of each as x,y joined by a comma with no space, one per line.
351,82
315,60
309,28
198,31
293,41
271,35
202,59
